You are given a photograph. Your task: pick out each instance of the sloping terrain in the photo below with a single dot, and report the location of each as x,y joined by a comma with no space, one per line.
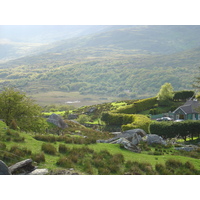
129,62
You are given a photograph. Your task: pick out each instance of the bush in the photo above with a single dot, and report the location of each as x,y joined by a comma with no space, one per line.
46,138
63,148
138,106
40,157
140,121
20,152
2,146
161,169
87,166
103,171
173,164
64,162
83,119
117,159
137,168
49,148
127,121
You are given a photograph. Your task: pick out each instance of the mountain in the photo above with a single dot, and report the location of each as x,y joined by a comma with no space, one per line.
122,61
21,40
151,39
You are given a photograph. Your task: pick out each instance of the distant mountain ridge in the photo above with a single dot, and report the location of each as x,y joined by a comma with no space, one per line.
22,40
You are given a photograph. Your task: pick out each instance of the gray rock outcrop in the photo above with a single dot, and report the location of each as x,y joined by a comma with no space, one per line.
129,139
57,120
22,167
155,139
187,148
4,170
39,172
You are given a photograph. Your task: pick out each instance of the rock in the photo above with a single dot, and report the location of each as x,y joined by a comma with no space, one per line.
57,120
91,110
72,116
39,172
187,148
131,132
128,145
129,139
22,167
155,139
115,133
63,172
4,170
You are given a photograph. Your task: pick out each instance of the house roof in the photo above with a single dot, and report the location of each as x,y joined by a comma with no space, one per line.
189,107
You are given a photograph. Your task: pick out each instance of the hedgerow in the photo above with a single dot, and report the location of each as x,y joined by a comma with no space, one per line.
138,106
127,121
176,129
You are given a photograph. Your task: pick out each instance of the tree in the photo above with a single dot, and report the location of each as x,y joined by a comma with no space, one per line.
16,107
197,82
82,119
165,94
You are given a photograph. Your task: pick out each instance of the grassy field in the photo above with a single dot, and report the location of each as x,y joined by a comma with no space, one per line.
50,160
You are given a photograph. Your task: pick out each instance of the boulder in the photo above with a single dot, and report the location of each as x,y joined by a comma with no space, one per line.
129,139
155,139
91,110
72,116
39,172
132,132
128,145
187,148
57,120
4,170
22,167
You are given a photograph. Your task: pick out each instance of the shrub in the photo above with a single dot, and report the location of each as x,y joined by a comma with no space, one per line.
8,157
103,171
99,163
117,159
146,168
13,125
138,106
49,148
87,166
64,162
63,148
140,121
46,138
86,149
83,119
20,152
173,164
144,146
73,157
2,146
161,169
137,168
40,157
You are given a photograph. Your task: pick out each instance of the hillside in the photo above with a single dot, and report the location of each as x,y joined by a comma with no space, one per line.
21,40
148,39
125,62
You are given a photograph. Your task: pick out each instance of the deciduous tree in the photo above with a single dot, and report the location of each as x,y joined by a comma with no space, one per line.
16,106
165,94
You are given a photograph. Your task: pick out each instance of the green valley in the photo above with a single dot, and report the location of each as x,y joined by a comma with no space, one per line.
128,62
